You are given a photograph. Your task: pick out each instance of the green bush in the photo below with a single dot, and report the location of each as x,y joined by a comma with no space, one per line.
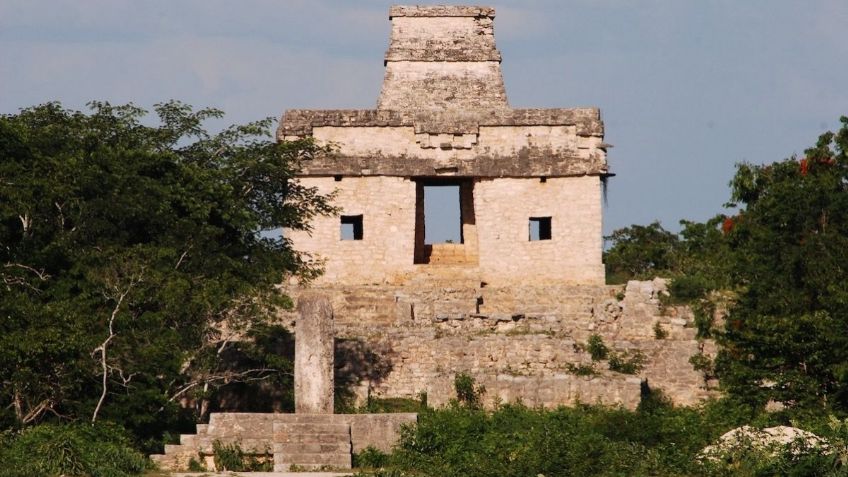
231,457
687,288
371,458
390,405
467,391
626,363
596,348
51,450
513,440
580,369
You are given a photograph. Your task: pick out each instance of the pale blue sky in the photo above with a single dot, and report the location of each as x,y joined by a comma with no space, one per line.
686,88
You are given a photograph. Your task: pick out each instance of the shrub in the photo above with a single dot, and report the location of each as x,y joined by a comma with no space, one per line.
687,288
580,369
626,363
370,457
231,457
596,348
704,311
467,392
72,450
195,465
389,405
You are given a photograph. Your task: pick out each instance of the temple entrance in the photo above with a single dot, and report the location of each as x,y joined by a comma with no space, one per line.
445,229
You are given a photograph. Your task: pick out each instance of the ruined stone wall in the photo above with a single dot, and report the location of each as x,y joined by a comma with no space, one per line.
520,342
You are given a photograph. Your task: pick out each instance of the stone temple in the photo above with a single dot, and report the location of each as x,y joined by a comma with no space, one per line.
442,119
512,303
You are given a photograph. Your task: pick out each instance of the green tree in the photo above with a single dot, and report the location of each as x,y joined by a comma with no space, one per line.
132,257
786,337
640,251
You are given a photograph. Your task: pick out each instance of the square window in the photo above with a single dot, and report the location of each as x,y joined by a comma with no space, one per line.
351,227
540,228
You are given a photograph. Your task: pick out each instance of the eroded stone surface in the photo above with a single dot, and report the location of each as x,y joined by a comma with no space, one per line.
313,356
521,342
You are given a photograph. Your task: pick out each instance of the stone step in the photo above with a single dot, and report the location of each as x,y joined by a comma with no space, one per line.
295,438
311,428
174,449
311,461
259,446
307,419
202,429
289,448
188,440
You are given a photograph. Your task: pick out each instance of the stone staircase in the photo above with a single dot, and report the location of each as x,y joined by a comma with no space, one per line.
311,442
305,442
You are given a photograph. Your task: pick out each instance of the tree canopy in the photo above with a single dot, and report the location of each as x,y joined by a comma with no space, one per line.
786,337
132,255
784,256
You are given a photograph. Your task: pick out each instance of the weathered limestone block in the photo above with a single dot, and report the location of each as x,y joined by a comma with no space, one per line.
313,356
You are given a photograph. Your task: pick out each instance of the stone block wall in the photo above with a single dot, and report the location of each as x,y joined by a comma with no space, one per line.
520,342
385,253
497,249
573,254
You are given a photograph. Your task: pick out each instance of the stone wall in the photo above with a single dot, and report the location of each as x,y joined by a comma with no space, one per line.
385,253
442,57
520,342
498,252
573,254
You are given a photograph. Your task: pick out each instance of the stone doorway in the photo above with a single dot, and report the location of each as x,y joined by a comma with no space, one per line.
431,248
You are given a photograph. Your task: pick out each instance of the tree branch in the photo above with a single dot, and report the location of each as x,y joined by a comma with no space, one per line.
103,346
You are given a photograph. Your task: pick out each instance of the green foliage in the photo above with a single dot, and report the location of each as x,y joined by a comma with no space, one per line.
513,440
371,458
596,348
640,252
626,362
138,249
231,457
467,391
390,405
194,465
687,288
698,259
71,449
581,369
784,339
704,311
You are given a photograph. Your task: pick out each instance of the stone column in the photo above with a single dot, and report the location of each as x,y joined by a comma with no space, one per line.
313,356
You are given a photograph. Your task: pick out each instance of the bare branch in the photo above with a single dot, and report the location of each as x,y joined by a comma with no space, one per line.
182,257
226,378
26,222
102,348
41,274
